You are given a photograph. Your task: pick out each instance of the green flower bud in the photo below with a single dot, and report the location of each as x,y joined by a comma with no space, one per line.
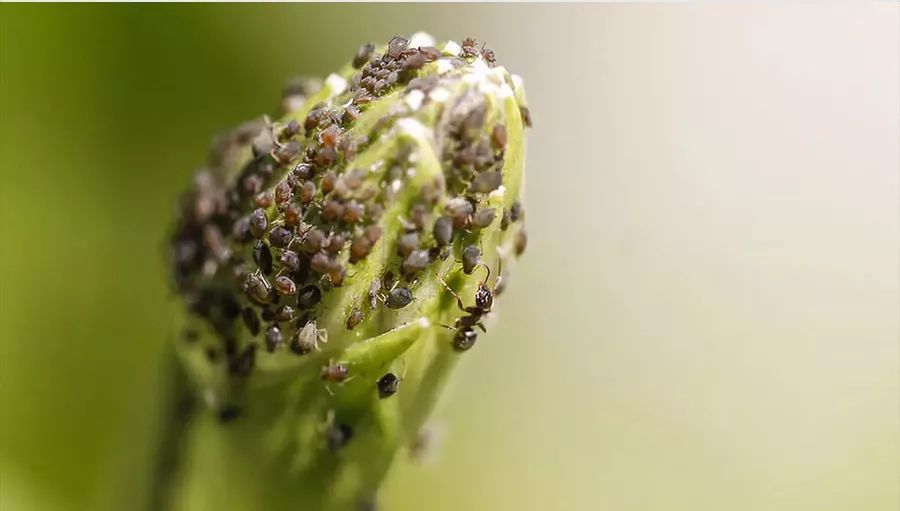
337,262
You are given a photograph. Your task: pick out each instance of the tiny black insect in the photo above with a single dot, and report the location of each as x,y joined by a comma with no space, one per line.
387,385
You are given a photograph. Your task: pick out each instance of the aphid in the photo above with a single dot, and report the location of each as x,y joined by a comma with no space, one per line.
354,318
312,241
262,144
251,320
486,182
516,211
521,242
396,46
321,263
407,243
459,209
262,256
498,136
483,218
308,338
314,117
309,297
284,313
292,215
283,154
488,55
325,156
414,61
258,222
335,243
374,292
353,212
307,192
416,261
263,200
526,115
332,210
338,436
471,256
302,171
289,130
443,230
285,286
363,54
430,53
280,237
373,232
282,192
505,220
360,248
398,298
336,275
329,136
335,372
273,338
418,216
251,184
257,288
387,385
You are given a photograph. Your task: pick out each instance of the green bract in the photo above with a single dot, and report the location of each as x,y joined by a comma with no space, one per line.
320,257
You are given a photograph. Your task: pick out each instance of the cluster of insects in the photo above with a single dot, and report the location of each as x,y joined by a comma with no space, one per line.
259,245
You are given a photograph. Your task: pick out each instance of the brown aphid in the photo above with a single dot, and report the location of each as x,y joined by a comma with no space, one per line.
336,275
353,212
443,230
414,61
273,338
335,372
325,156
471,256
416,261
251,184
526,115
335,243
329,136
350,115
302,171
263,200
486,182
354,318
498,136
332,210
290,260
282,192
292,215
312,241
257,288
459,209
284,313
396,46
280,236
398,298
289,130
483,218
307,192
321,263
430,53
418,216
258,222
285,286
360,248
521,242
284,153
363,54
240,231
314,117
373,232
516,211
407,243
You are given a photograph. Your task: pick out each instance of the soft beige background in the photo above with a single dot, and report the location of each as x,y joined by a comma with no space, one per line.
706,318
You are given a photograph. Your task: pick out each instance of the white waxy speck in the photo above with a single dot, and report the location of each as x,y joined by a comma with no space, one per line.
421,39
452,48
439,94
209,397
413,127
498,193
444,66
504,91
395,185
424,322
414,99
336,84
517,81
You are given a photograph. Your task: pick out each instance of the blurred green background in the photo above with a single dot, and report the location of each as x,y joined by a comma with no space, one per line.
707,317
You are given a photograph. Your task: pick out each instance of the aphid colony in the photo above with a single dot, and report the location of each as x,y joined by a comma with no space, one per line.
259,246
